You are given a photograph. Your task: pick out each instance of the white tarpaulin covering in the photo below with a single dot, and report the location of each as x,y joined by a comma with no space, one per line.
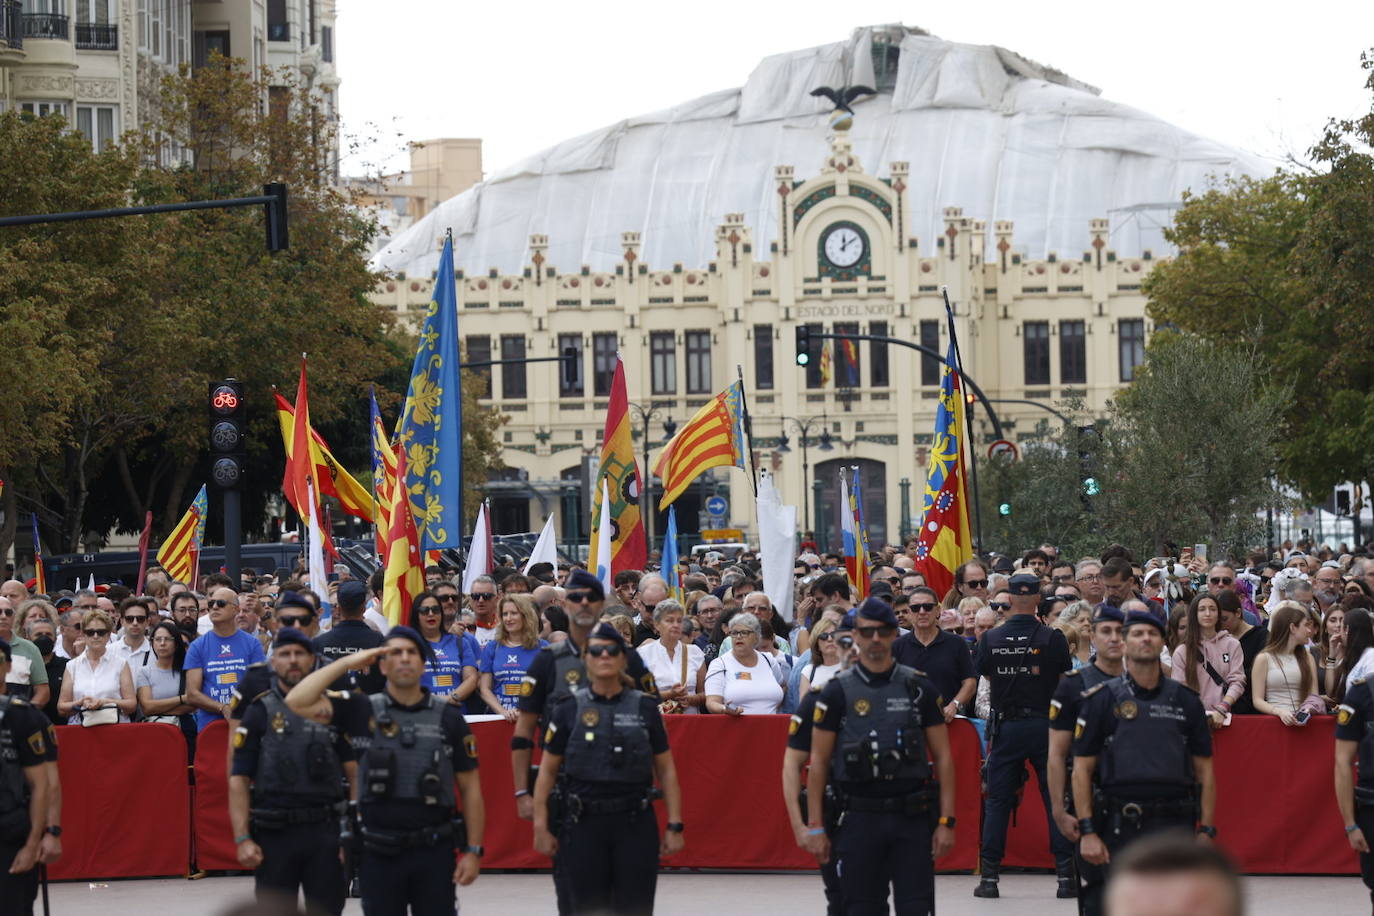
983,129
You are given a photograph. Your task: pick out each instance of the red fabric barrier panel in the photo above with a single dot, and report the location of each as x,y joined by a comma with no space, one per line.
214,837
126,809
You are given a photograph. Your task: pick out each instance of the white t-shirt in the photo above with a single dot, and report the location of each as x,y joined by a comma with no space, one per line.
819,675
1363,668
484,635
758,690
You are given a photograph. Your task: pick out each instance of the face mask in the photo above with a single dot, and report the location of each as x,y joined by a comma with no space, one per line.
44,644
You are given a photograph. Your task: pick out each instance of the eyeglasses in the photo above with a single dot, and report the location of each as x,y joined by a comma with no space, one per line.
890,580
612,649
1220,580
429,609
452,596
871,632
297,621
1090,577
846,641
741,634
924,607
578,597
217,603
999,605
976,583
92,634
482,596
135,618
159,639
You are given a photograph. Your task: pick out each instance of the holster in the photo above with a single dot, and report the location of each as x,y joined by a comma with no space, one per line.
1126,818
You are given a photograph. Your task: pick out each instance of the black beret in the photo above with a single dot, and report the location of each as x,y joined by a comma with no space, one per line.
404,632
876,609
1135,617
1105,612
604,630
292,636
580,578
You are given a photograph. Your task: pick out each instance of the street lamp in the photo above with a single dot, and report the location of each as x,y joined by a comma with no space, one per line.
803,427
646,416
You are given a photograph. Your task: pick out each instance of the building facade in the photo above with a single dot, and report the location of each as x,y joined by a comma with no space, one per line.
439,169
1031,332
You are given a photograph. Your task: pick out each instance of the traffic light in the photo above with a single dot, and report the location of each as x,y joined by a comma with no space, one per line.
569,366
277,235
803,345
1342,502
1004,510
228,424
1088,437
1090,487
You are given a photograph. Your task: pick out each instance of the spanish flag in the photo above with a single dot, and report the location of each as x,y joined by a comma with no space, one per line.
713,438
623,485
330,476
383,475
178,552
945,537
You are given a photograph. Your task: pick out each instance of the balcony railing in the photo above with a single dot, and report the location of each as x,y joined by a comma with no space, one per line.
11,24
47,25
92,36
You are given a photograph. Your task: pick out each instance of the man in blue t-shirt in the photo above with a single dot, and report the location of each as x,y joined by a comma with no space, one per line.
215,662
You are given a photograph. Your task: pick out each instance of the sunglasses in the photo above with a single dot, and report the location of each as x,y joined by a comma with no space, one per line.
7,612
1221,580
135,618
871,632
924,606
846,641
578,597
482,596
976,583
826,637
96,632
429,609
295,621
612,649
447,598
999,605
217,603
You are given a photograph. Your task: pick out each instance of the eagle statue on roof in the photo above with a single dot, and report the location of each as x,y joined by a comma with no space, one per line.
842,117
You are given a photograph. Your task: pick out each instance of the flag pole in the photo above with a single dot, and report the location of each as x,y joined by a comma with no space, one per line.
748,432
968,422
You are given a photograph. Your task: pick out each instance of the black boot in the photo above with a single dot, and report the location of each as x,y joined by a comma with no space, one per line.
987,887
1068,879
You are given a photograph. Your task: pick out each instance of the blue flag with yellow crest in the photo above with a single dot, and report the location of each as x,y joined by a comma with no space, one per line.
431,428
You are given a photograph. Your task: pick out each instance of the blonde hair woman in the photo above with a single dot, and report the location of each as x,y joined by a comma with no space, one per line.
826,656
508,655
1284,673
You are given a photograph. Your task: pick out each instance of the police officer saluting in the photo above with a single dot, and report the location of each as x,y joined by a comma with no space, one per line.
286,789
1022,659
411,746
23,795
1146,739
608,741
1355,739
874,725
1108,645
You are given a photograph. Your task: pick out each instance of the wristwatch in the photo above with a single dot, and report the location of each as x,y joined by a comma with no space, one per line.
1207,830
945,822
54,830
1085,826
477,851
673,826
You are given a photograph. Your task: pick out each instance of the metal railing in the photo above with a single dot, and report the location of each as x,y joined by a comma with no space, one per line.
11,24
92,36
47,25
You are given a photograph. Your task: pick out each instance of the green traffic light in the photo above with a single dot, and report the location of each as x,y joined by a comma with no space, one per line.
1004,509
803,359
1090,486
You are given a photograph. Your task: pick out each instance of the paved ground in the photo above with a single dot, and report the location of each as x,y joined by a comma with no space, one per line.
694,894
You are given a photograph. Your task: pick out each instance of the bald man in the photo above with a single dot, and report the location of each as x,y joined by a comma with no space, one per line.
14,590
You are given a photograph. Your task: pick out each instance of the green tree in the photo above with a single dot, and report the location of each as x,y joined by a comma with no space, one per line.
1042,490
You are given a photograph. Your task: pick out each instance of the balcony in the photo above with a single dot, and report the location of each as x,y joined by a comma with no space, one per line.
47,25
11,24
91,36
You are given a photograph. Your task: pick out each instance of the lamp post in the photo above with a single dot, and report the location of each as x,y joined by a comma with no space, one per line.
646,416
803,428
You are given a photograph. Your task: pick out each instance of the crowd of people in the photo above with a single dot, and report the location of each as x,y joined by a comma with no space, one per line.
1286,635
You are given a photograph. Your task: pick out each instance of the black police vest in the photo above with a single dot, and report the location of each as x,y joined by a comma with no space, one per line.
610,741
1366,747
14,790
1092,675
297,764
568,674
1150,743
881,735
407,760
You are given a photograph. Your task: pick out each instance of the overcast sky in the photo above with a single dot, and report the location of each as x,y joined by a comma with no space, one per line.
525,74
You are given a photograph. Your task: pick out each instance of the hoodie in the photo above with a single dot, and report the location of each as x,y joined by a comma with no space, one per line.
1224,653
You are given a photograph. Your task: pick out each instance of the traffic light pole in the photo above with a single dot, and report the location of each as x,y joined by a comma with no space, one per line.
233,534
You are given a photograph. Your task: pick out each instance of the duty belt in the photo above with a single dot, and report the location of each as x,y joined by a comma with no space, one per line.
278,818
1015,713
577,806
394,841
1364,796
1140,811
915,803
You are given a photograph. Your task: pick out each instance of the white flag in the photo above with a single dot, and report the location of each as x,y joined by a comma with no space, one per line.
479,554
777,545
601,540
545,549
319,581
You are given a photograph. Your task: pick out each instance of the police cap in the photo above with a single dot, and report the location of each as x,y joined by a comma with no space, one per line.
876,610
352,595
1023,584
294,599
580,578
1134,617
1105,612
604,630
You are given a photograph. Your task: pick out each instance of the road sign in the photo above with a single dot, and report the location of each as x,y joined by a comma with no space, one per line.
722,534
716,505
1004,447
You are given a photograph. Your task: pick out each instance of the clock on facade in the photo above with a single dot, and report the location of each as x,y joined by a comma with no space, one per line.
844,245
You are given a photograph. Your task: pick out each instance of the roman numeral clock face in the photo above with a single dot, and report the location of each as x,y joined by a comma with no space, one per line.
844,246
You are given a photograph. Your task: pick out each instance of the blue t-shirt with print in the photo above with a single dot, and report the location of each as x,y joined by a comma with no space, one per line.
451,656
223,660
507,666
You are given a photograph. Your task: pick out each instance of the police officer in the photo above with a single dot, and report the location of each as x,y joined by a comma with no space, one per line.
23,795
1022,659
1146,739
286,789
608,741
411,748
1355,740
873,727
794,762
553,675
349,634
1108,647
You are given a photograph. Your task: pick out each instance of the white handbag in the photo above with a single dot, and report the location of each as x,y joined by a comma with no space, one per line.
103,715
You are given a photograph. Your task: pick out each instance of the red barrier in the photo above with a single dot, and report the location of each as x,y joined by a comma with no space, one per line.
1276,809
214,837
126,810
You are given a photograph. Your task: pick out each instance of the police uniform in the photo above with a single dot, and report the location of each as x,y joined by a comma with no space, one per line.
296,767
799,739
608,841
1355,722
1022,659
23,743
883,785
345,638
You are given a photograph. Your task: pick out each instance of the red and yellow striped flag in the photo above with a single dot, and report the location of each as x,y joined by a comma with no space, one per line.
404,577
178,552
713,438
623,483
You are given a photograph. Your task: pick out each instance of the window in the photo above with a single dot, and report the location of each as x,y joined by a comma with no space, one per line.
763,357
813,365
930,365
877,356
513,374
327,43
662,362
698,362
97,124
479,351
94,26
1073,353
603,363
570,387
43,109
847,356
208,44
1036,339
1131,340
278,29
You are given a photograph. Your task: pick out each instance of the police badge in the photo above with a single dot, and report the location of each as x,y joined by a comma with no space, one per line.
590,717
862,707
1343,714
279,722
573,676
1127,709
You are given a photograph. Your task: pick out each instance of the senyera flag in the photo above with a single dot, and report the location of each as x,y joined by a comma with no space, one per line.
404,577
40,577
945,540
179,549
713,438
860,576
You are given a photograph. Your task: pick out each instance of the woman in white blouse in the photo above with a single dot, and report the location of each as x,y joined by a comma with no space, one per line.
744,682
97,677
673,661
823,644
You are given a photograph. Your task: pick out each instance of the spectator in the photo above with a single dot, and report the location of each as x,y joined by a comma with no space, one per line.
951,622
453,670
1252,640
673,660
970,581
824,635
757,603
1061,573
624,625
217,660
652,590
250,621
507,657
43,635
1359,650
1210,661
1175,630
1079,615
943,657
133,645
28,677
1284,673
1330,650
1072,636
186,615
984,620
70,641
96,679
968,610
1088,577
1050,608
482,600
743,682
161,684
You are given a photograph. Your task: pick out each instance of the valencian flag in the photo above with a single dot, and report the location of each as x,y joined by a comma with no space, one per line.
179,551
945,540
861,575
383,475
331,477
431,429
404,577
623,484
40,578
713,438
